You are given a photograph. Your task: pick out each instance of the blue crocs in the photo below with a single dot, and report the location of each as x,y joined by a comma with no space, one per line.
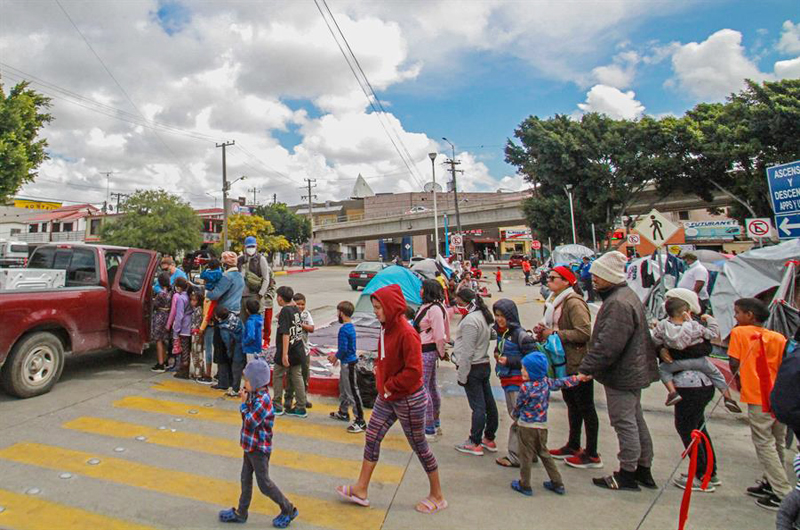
525,491
231,516
548,485
284,519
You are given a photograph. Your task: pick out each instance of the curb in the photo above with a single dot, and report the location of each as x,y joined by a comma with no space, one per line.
284,273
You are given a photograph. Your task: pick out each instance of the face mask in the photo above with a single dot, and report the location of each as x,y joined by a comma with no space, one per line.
250,251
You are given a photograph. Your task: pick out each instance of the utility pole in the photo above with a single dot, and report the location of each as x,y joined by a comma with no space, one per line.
432,156
274,199
119,196
453,163
225,187
108,189
254,190
310,183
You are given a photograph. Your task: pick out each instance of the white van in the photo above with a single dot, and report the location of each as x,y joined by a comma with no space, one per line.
13,253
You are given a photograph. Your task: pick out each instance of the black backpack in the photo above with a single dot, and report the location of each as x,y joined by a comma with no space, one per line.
421,315
785,396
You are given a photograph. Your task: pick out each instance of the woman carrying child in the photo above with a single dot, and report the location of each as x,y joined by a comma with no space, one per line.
158,329
567,316
433,326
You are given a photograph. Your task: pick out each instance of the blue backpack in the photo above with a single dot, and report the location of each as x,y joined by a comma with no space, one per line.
785,395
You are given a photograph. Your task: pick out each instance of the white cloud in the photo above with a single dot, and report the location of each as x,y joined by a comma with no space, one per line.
715,67
613,102
790,38
788,69
620,73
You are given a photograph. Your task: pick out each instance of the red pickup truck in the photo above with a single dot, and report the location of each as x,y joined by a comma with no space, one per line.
105,304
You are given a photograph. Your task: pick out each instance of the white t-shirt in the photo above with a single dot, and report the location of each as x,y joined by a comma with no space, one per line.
695,273
305,318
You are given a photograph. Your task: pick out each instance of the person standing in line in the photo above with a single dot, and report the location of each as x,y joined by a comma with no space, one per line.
159,332
349,396
401,396
433,325
227,293
586,278
567,316
696,279
256,273
289,354
622,358
168,265
471,356
755,354
180,321
307,321
513,343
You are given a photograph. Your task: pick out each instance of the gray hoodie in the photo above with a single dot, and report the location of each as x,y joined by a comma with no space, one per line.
472,345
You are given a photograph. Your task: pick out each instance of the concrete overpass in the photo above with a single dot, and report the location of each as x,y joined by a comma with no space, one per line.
505,212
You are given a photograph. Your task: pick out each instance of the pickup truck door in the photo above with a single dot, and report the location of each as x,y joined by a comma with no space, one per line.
130,300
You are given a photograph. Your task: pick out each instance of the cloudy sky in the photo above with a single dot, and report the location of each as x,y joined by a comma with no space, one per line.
145,89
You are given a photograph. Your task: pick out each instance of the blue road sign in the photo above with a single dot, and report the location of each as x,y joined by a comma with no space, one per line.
784,187
788,225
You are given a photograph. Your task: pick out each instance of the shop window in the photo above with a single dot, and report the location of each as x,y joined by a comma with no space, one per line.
33,229
56,227
67,227
94,227
683,216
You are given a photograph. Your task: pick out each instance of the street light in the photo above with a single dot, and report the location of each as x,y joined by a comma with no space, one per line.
435,211
568,189
215,199
226,186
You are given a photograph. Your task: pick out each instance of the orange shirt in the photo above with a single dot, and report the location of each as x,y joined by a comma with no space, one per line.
746,350
498,275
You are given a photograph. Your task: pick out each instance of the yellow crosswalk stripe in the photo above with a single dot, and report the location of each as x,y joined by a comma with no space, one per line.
284,425
336,467
24,512
222,493
193,389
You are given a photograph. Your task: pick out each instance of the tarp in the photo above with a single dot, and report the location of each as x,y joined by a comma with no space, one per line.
784,315
409,282
567,254
748,275
429,266
643,276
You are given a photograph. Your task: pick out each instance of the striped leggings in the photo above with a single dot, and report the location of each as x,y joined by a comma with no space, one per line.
411,413
429,359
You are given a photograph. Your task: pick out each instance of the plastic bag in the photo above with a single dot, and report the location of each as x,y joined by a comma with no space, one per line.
556,357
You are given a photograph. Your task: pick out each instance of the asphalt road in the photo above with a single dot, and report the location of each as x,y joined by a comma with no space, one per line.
115,446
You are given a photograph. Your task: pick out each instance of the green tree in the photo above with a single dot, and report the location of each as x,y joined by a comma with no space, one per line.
157,220
242,226
295,228
22,116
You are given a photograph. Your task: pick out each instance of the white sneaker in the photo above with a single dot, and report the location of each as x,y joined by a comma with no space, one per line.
682,481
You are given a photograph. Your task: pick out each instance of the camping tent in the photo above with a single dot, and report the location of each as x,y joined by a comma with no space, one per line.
409,282
747,275
567,254
429,266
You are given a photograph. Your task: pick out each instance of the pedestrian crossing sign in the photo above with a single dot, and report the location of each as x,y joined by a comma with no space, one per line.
655,228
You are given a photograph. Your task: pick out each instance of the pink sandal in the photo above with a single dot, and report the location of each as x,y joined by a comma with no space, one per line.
430,507
346,492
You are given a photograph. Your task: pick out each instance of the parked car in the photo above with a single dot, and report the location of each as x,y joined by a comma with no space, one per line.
361,275
515,261
104,303
13,253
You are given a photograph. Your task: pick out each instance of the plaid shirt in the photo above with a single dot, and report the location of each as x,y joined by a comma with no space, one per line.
257,420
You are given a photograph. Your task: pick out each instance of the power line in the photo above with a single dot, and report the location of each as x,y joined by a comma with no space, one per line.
368,92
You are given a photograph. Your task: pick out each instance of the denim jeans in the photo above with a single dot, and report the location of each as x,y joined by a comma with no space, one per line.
481,402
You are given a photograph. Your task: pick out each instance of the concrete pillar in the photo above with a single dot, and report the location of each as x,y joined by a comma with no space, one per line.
371,252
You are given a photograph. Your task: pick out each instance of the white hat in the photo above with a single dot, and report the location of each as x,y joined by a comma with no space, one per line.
688,296
610,267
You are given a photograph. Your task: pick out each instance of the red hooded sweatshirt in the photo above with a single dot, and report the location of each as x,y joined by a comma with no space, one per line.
398,371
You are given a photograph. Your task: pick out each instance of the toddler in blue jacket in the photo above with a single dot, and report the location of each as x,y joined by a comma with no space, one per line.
530,414
253,329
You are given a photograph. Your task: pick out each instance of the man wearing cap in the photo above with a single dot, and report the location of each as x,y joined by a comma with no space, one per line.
622,358
695,279
257,277
586,278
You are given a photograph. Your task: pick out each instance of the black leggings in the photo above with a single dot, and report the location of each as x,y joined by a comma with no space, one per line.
690,415
581,411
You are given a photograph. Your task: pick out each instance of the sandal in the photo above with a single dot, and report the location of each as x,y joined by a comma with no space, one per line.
525,491
284,519
505,462
231,516
346,492
430,507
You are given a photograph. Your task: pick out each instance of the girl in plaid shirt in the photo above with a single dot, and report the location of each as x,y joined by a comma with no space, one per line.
256,441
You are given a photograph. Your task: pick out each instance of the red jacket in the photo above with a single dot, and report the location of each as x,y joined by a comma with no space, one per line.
398,370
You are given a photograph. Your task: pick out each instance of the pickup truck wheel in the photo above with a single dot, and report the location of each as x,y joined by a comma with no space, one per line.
34,365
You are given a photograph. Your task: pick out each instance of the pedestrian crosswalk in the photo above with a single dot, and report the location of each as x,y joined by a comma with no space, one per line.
167,431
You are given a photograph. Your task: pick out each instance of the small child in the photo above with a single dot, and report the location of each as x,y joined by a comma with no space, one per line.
348,384
253,328
162,302
679,331
530,414
308,327
212,275
256,441
498,276
196,300
180,321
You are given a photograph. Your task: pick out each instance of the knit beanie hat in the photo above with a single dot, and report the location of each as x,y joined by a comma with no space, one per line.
610,267
229,258
688,296
536,365
257,372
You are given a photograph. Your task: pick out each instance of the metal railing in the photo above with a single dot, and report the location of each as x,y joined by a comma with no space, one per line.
46,237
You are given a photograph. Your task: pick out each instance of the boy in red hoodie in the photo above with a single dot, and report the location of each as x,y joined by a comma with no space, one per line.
401,396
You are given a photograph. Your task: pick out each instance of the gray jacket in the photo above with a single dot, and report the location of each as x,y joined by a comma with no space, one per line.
472,345
621,353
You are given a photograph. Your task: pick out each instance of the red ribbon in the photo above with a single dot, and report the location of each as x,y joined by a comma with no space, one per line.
697,438
762,370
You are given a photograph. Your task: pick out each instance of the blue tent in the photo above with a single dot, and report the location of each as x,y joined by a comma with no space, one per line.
408,281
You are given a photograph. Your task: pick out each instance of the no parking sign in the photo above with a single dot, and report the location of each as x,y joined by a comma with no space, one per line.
758,227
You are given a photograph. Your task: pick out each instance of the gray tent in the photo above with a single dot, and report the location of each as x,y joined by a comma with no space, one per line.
748,275
566,254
